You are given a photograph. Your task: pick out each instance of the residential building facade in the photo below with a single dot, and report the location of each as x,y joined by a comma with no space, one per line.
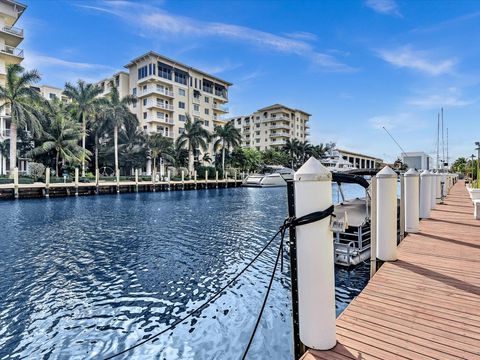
10,39
168,91
271,127
417,160
361,161
51,93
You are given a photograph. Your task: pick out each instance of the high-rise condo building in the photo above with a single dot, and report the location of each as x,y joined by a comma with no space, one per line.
271,126
10,39
168,91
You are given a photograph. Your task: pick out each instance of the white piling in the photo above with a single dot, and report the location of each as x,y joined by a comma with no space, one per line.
47,182
425,189
411,201
168,176
117,173
15,182
195,178
76,181
438,187
183,180
433,190
136,180
316,276
387,214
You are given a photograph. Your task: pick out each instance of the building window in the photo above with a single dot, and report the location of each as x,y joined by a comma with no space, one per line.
164,71
206,111
143,72
181,105
206,122
181,130
196,107
207,99
239,121
181,77
134,91
144,102
182,117
257,140
52,96
144,115
160,115
181,92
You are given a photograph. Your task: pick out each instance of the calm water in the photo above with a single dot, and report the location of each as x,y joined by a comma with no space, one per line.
87,277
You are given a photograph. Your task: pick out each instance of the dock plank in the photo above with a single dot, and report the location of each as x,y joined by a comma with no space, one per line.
425,305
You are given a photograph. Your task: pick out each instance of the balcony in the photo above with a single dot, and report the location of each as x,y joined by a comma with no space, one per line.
279,142
156,89
279,126
278,118
164,120
220,107
12,35
11,51
280,134
159,105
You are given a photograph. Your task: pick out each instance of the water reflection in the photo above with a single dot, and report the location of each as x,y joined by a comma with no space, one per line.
88,277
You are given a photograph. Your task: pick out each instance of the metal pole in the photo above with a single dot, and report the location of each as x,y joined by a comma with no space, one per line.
298,348
373,226
402,208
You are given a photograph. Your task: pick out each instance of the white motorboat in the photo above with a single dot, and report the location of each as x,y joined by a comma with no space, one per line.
336,163
271,176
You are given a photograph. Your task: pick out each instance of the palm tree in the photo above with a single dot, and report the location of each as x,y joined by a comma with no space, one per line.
160,147
194,137
117,113
292,149
304,150
61,136
206,158
227,136
18,95
85,102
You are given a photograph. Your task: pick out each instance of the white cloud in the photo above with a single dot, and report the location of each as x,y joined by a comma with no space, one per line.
56,71
388,7
161,22
302,35
404,122
451,97
34,60
406,57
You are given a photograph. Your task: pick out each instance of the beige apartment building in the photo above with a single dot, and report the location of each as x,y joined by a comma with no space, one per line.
10,39
271,127
168,90
51,92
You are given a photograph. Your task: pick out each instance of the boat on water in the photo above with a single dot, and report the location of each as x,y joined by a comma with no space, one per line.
352,244
270,176
335,162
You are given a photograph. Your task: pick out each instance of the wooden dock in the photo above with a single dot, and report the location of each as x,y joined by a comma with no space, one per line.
425,305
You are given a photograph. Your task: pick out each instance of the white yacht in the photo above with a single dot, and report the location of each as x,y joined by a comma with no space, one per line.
336,163
270,176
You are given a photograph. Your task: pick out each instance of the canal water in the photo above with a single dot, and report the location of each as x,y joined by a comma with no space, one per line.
87,277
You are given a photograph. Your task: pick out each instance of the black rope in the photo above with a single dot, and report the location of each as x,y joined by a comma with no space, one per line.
201,306
289,223
259,317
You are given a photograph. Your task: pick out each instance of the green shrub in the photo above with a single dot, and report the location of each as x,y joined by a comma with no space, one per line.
201,172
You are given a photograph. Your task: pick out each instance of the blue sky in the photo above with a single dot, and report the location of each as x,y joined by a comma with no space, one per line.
354,65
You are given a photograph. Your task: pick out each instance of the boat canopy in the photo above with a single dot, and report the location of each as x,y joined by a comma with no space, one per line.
350,179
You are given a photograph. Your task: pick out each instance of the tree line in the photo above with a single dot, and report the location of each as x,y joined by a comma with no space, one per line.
100,132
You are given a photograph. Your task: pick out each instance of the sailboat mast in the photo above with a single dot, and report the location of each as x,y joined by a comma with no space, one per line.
448,163
443,144
438,141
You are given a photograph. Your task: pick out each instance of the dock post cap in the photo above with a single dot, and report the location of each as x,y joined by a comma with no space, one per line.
313,170
386,172
411,172
425,173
